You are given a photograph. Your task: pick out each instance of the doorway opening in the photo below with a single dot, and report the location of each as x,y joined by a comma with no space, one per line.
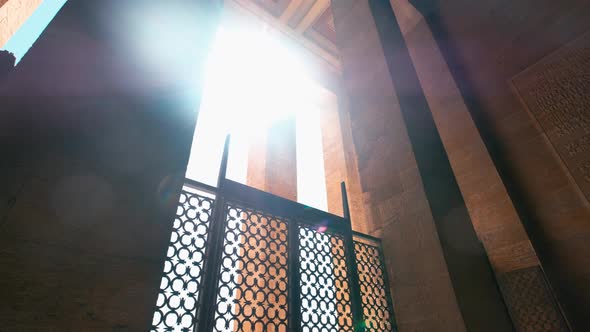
253,82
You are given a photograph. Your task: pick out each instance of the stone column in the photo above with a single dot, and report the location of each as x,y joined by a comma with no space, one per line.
340,163
492,212
333,152
257,161
494,217
440,277
281,159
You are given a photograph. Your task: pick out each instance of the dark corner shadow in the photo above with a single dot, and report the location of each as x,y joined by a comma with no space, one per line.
7,63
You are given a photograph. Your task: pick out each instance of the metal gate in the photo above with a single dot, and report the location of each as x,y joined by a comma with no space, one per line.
244,260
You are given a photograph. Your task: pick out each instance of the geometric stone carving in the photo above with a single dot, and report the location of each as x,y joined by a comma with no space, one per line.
556,91
530,301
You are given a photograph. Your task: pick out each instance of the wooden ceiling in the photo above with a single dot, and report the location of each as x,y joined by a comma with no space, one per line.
309,22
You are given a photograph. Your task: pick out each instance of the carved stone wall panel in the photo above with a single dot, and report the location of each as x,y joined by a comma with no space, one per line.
529,300
556,91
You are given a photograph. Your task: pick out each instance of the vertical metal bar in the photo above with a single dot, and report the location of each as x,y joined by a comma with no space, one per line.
353,276
214,251
223,167
294,278
345,208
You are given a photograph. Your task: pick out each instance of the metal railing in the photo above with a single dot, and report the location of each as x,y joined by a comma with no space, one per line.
241,259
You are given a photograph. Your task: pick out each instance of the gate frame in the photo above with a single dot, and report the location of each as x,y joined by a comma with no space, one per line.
295,214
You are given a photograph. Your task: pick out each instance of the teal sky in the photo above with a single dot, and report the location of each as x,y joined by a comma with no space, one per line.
28,33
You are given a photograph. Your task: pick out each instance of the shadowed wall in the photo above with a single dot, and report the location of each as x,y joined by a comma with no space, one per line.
94,142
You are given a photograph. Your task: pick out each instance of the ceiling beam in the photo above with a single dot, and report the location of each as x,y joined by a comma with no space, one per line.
318,8
290,11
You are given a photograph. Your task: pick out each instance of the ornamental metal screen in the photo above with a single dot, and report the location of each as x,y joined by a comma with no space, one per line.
375,295
325,289
252,291
241,259
183,269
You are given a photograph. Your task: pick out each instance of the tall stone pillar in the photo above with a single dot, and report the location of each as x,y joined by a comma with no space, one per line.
440,276
281,159
340,162
333,151
494,217
256,173
272,159
491,210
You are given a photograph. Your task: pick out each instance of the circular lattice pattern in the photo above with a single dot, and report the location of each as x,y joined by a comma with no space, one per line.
377,308
252,292
325,295
181,283
253,285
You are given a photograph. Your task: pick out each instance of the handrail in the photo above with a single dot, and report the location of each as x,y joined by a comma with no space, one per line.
251,197
366,237
253,205
200,186
240,193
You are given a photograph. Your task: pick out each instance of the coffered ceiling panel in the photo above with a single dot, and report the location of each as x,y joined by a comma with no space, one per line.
325,25
274,7
298,10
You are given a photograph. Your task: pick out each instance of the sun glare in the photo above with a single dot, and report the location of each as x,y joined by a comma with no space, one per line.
252,80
